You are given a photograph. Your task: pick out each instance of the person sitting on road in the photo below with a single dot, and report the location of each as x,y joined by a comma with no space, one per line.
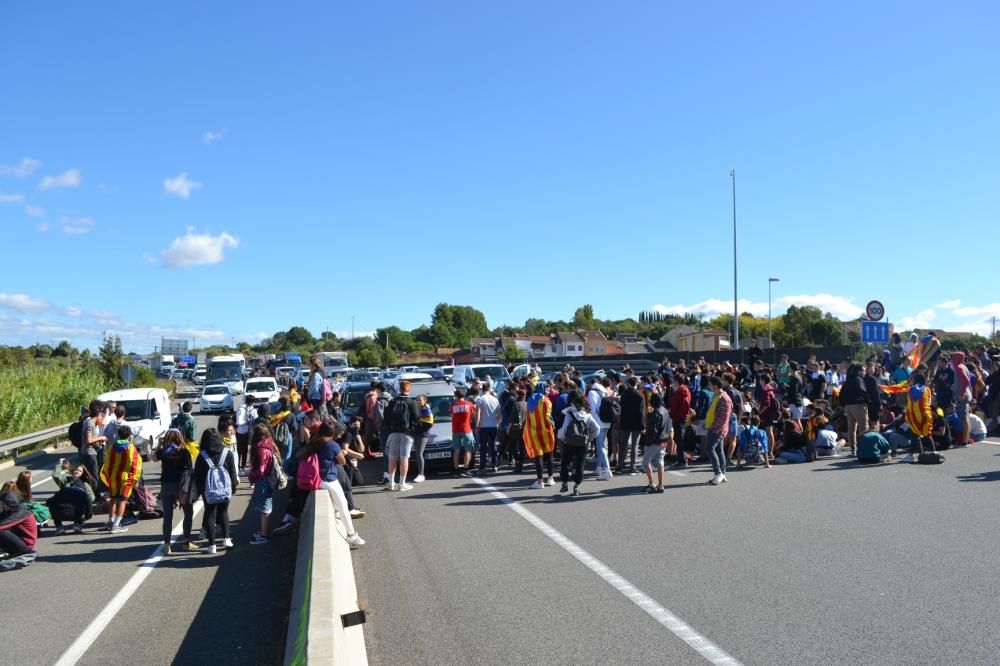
873,448
121,471
826,443
18,532
23,488
74,501
793,444
753,447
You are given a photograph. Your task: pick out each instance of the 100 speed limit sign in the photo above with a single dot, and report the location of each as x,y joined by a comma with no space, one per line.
875,310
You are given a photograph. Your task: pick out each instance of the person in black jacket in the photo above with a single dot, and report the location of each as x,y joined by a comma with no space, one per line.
213,448
874,398
175,459
631,424
658,433
854,400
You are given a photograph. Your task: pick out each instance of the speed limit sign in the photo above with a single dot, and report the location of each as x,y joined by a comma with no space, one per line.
875,310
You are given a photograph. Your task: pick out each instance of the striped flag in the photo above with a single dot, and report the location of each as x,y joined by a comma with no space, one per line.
122,468
539,435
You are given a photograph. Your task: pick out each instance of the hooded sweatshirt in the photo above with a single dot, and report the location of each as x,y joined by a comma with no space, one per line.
16,517
580,415
962,389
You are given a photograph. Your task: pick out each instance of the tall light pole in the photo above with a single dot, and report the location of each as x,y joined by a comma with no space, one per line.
736,305
770,338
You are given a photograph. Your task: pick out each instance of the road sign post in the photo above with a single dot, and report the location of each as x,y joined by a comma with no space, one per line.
875,310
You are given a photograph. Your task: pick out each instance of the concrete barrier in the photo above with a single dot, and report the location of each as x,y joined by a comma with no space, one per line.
324,591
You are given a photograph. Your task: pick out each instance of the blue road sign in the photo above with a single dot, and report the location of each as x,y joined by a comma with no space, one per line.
875,331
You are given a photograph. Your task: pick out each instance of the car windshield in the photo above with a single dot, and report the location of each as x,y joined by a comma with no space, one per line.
494,371
355,399
137,410
441,407
215,390
260,386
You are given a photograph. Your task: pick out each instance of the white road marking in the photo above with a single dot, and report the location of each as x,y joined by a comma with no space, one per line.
38,483
75,652
676,473
674,624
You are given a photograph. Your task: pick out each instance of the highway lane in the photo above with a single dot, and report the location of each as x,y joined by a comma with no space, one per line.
820,563
230,608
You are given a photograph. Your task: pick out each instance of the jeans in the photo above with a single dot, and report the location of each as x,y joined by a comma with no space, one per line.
340,503
90,462
716,452
600,444
168,495
547,458
573,455
793,455
12,544
215,513
487,444
419,443
627,439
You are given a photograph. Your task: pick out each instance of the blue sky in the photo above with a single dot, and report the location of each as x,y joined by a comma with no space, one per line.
202,169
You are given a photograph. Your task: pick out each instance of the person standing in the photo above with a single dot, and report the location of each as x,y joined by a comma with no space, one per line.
659,432
516,419
633,422
264,455
420,437
680,405
854,401
717,428
598,393
185,422
539,435
245,416
319,387
962,392
578,429
90,440
216,479
462,441
175,462
401,417
487,408
121,471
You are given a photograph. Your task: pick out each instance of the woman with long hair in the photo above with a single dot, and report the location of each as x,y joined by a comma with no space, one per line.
324,446
215,455
264,455
175,460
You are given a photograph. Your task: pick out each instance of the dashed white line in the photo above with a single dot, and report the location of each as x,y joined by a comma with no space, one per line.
671,622
75,652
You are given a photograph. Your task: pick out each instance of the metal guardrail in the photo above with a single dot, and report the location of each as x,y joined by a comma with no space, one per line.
14,444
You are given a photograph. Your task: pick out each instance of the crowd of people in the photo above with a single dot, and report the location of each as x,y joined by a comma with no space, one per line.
913,399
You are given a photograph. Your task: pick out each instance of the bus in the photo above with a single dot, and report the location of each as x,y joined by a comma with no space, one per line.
230,368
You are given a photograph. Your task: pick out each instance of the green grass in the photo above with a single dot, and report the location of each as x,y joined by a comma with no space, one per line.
36,398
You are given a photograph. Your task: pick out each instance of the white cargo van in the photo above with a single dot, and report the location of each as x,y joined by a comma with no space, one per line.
147,412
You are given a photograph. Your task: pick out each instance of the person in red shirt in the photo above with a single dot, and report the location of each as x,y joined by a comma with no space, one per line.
462,441
680,404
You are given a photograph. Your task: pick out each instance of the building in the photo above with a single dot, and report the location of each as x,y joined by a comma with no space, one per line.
568,343
691,339
484,349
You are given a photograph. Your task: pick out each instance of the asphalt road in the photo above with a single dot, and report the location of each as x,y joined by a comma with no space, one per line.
801,564
228,608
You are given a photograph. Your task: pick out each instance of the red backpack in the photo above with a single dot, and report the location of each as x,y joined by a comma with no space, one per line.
307,475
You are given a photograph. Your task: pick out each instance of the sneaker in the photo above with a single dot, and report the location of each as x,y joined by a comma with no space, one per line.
606,475
724,479
538,485
404,486
392,486
166,549
564,488
227,543
419,478
60,531
632,471
357,514
679,464
77,529
496,470
650,490
716,480
258,540
384,480
908,458
118,529
354,540
242,472
284,528
550,482
659,489
211,550
189,547
576,490
106,527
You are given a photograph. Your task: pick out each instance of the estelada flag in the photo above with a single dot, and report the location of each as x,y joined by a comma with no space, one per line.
918,410
539,435
122,469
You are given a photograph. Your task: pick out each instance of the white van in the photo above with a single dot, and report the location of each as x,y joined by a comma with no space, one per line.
147,412
465,374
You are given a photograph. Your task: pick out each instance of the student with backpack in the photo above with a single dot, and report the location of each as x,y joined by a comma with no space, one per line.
753,447
318,462
578,429
655,439
607,411
216,480
176,488
401,417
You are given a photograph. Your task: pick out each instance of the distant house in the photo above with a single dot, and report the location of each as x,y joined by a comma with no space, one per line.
464,357
691,339
484,349
569,343
595,343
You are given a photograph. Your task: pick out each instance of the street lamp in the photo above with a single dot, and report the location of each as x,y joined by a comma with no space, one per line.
770,338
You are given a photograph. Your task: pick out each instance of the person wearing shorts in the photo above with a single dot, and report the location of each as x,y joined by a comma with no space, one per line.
401,416
462,441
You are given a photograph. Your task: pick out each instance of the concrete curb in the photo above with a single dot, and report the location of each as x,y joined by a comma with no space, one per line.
324,590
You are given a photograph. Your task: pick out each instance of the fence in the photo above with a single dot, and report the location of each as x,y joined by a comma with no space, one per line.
15,444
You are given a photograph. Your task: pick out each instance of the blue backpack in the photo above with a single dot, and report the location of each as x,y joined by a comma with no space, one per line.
751,445
218,488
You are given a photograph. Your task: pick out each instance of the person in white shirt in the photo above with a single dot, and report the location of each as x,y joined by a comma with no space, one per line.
485,423
596,395
245,416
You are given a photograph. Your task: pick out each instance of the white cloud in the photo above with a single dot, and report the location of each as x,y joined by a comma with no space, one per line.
25,167
194,249
921,320
11,198
44,226
839,306
949,305
212,136
69,179
991,310
23,303
34,211
70,311
148,258
78,226
181,186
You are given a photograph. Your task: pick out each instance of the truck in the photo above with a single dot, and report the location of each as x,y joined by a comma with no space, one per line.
163,364
227,369
333,361
201,358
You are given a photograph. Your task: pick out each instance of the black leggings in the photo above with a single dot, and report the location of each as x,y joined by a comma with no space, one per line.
90,463
12,544
547,457
573,455
168,517
242,448
216,513
344,478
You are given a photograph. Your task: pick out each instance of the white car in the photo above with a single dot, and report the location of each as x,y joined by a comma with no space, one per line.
216,398
147,412
263,389
464,375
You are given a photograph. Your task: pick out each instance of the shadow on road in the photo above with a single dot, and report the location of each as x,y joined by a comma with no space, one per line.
993,475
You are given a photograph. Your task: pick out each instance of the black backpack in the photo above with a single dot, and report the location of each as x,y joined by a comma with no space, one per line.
610,410
75,434
577,433
930,458
398,414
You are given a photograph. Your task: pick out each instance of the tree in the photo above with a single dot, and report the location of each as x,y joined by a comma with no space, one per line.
456,325
41,351
299,336
512,353
110,358
584,317
64,349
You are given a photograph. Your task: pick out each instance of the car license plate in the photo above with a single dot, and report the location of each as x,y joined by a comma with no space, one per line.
438,454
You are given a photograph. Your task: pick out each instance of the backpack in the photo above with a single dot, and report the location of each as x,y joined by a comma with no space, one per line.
750,447
930,458
381,402
610,410
705,397
327,390
281,434
218,488
399,415
577,433
307,473
144,503
75,434
277,477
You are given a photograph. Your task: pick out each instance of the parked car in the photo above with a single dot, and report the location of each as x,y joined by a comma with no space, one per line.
435,373
147,412
263,389
216,398
437,452
465,374
353,398
448,370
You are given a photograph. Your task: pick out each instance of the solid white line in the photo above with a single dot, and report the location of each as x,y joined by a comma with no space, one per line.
75,652
38,483
674,624
676,473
